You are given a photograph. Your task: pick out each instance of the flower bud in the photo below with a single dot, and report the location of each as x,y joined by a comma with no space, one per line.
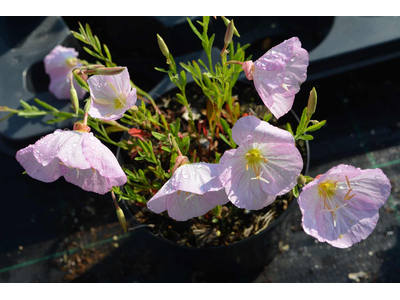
108,71
74,100
301,180
134,109
312,103
229,33
163,46
179,161
121,219
78,126
87,105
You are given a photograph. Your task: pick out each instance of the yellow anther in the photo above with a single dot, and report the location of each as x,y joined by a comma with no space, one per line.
265,160
247,167
340,236
285,86
187,193
179,192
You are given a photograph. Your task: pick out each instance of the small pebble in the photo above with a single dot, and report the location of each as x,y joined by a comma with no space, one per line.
116,245
21,248
370,253
115,238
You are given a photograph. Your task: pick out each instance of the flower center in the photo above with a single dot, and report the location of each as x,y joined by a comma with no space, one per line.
255,160
327,190
71,62
119,101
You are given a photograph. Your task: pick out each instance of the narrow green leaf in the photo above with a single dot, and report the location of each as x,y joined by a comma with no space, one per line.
166,149
223,137
315,127
226,127
296,191
306,137
159,136
195,30
89,33
302,124
268,117
107,52
45,105
98,45
80,37
93,54
289,128
161,70
25,105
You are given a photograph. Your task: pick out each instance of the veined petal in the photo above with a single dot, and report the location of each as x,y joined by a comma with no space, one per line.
101,158
111,96
251,127
241,185
49,173
65,145
349,212
89,179
55,63
183,206
279,73
198,178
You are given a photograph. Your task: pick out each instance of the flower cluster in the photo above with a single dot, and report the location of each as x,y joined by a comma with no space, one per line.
339,207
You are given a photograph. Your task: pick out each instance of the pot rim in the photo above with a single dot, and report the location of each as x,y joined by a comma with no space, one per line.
235,244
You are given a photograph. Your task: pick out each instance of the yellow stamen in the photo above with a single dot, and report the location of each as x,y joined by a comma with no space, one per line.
179,192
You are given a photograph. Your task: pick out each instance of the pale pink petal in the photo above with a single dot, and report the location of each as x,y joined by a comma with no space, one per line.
65,145
33,168
198,178
55,63
192,191
185,205
241,190
251,127
111,96
60,87
278,75
89,179
353,219
101,158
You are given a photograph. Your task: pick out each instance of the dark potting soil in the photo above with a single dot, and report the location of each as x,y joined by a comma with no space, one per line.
234,224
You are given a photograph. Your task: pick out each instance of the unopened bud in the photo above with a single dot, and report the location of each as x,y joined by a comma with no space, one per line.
78,126
312,103
134,109
226,21
163,47
121,219
229,33
314,122
179,161
108,71
301,180
74,100
87,106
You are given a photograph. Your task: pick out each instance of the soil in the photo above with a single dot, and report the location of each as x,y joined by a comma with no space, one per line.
233,224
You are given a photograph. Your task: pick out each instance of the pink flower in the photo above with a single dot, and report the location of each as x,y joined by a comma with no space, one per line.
341,206
78,156
278,75
111,95
192,191
265,165
58,64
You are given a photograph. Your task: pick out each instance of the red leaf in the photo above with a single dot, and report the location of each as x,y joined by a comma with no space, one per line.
135,132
